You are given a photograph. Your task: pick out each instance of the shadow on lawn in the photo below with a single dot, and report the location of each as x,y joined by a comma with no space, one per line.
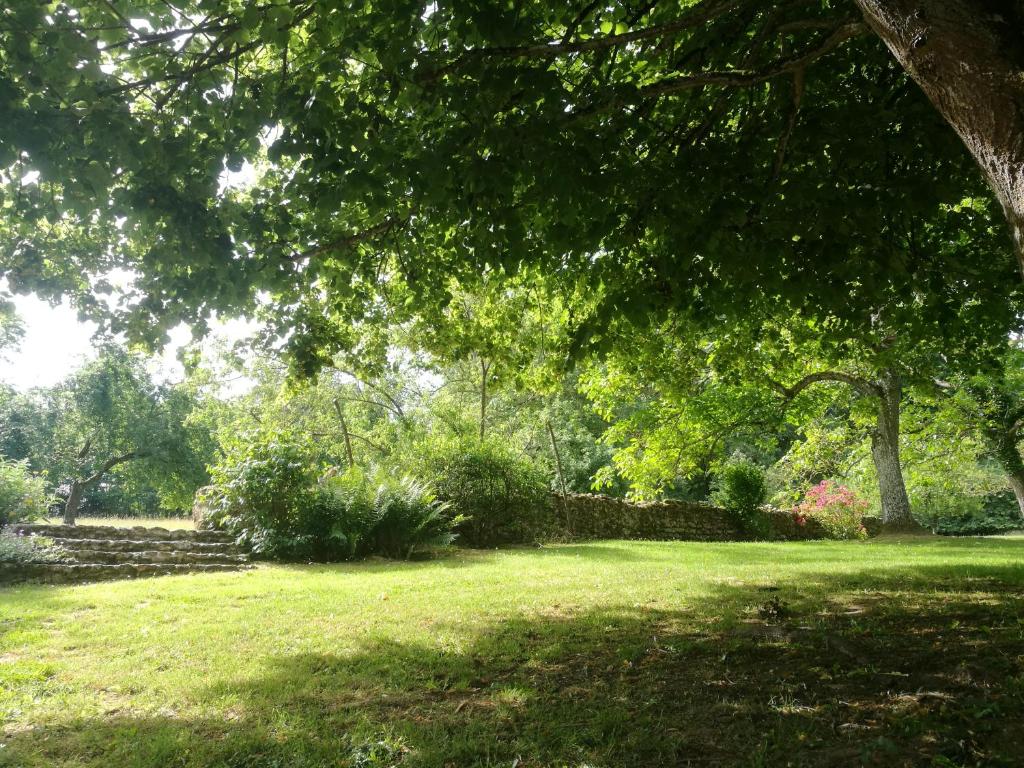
925,667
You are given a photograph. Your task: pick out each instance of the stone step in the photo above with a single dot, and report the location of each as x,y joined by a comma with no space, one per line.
74,573
134,533
154,556
128,545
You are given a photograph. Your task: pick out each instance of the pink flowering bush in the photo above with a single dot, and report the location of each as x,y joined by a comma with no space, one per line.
839,510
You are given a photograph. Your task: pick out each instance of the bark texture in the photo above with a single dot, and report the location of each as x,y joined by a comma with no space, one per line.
885,452
968,58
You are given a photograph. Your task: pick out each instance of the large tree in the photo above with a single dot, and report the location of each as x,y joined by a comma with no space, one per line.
688,154
968,57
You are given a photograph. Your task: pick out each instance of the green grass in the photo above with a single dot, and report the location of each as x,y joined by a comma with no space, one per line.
170,523
604,654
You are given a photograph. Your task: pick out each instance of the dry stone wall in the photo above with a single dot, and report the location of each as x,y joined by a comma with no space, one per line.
594,516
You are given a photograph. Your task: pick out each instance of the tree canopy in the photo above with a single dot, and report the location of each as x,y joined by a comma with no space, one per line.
696,155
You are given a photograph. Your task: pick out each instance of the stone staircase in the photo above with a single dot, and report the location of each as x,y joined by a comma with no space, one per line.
99,552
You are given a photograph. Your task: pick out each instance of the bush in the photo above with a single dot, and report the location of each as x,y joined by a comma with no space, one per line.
501,496
741,487
263,492
29,549
839,510
974,516
269,496
22,494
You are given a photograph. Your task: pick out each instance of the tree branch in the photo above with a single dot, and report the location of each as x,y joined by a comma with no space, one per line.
348,241
743,79
110,463
863,386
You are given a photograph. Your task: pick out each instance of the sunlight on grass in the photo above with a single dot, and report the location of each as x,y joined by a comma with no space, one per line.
484,657
170,523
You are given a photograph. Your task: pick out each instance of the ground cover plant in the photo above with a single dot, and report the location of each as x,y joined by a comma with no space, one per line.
609,653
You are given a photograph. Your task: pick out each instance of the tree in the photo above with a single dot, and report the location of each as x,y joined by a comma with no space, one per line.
885,391
22,426
968,57
696,157
11,328
682,393
110,414
513,330
672,416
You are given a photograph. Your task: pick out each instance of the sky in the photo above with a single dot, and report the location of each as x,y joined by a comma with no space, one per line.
56,343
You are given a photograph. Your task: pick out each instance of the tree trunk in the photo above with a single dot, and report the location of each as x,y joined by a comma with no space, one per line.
73,502
968,58
885,451
1004,448
78,486
1017,483
345,432
484,368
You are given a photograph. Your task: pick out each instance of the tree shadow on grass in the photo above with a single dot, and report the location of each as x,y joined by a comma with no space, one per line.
920,667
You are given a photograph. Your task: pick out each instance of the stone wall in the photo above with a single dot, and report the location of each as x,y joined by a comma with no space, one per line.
593,516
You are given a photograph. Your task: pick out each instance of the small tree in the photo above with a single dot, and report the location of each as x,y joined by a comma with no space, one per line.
107,415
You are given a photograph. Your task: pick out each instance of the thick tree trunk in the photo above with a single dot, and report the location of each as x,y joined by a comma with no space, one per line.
968,58
1004,448
73,503
885,451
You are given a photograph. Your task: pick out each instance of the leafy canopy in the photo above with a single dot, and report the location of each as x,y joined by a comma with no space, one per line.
693,155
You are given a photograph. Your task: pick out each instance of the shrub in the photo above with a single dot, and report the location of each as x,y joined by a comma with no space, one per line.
269,496
741,487
502,497
974,516
839,510
263,492
22,494
29,549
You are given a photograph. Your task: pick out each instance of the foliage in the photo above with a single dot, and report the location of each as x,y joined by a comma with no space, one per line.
23,494
263,492
839,510
741,487
110,409
672,416
29,549
268,492
373,513
11,327
502,496
504,124
959,514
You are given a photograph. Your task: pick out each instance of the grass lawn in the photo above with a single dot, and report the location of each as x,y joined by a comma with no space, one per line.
606,654
170,523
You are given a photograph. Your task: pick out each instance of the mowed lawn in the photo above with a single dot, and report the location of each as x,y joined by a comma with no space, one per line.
605,654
